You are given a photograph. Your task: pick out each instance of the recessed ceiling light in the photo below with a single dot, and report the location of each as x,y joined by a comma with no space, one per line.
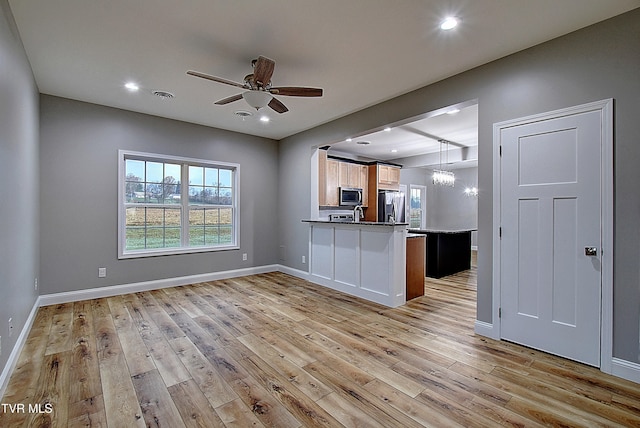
348,140
394,151
131,86
449,23
387,129
264,119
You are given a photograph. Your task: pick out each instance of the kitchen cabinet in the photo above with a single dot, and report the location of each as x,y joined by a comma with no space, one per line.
364,184
328,180
380,177
388,177
349,175
333,174
448,251
416,247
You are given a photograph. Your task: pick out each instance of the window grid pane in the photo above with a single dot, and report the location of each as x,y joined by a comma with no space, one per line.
151,227
210,226
152,182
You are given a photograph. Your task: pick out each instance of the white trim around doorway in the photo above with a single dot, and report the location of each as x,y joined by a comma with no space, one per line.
606,324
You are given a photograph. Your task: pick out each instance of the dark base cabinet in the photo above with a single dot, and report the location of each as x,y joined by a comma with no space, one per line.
448,252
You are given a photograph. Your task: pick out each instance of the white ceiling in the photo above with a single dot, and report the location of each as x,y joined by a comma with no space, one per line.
361,52
455,125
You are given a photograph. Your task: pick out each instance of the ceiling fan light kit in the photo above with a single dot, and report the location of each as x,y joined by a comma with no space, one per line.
259,92
257,99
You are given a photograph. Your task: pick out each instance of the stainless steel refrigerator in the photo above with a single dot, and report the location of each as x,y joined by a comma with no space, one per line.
391,205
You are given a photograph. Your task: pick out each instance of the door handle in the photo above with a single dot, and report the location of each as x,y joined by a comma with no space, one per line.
590,251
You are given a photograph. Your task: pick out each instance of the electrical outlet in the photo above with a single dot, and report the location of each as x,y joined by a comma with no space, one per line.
304,259
102,272
10,327
244,257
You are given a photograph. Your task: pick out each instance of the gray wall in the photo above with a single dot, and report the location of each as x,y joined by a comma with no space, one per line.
449,207
19,178
78,199
595,63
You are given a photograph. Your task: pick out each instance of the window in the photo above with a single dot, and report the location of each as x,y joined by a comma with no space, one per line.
171,205
417,202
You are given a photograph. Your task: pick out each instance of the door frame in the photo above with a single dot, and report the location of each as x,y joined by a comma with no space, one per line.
423,204
605,107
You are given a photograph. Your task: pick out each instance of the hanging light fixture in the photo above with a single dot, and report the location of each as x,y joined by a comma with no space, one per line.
443,177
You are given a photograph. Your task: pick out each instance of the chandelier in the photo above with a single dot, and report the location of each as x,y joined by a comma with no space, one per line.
442,177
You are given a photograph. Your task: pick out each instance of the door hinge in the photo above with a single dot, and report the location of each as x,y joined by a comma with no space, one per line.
500,150
499,312
500,232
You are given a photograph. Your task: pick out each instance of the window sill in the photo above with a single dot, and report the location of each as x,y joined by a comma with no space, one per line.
174,252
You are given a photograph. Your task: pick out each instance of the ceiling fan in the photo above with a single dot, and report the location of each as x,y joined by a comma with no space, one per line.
259,90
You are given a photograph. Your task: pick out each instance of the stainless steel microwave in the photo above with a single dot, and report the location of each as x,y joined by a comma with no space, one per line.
350,196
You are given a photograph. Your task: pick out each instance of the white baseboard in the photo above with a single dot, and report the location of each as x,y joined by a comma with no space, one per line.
485,329
625,369
17,349
619,368
115,290
294,272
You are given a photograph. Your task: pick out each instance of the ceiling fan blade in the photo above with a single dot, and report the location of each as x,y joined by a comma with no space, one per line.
278,106
215,79
263,70
295,91
229,99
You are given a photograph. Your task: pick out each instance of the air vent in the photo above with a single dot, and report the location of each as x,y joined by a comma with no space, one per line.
363,143
163,94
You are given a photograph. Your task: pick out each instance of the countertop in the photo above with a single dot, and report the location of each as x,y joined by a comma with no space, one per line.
363,223
425,231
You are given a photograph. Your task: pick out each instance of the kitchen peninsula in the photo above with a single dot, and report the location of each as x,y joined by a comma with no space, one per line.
363,259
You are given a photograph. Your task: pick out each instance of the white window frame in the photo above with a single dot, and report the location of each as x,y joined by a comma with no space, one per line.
185,162
423,204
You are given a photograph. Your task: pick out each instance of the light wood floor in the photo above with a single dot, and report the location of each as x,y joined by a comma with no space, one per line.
273,350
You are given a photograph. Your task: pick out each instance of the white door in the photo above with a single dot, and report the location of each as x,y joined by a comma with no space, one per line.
550,295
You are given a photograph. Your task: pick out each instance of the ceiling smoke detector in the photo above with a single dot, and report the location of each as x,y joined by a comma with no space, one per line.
163,94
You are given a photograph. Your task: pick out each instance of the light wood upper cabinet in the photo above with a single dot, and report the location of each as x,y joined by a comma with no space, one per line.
364,184
333,174
328,176
355,175
349,175
388,177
